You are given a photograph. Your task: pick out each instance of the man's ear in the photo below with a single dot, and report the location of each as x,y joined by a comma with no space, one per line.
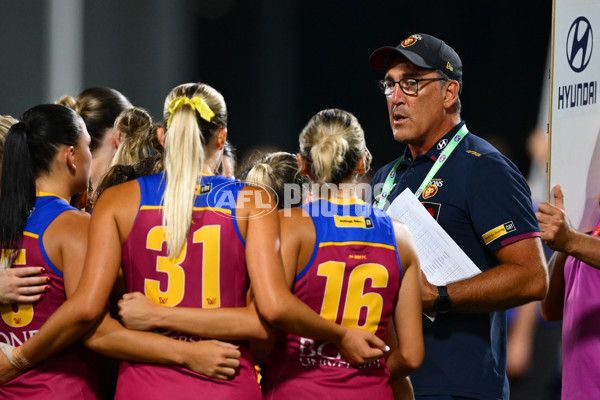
451,94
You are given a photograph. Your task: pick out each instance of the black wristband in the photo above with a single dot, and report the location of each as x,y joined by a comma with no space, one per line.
443,303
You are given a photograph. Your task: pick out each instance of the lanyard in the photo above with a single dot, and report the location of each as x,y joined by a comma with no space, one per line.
389,181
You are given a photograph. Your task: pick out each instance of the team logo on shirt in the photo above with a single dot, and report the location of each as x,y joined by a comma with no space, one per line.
498,231
430,191
352,222
203,189
437,182
432,208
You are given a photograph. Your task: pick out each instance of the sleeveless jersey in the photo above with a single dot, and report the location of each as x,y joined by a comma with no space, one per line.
352,278
67,374
210,272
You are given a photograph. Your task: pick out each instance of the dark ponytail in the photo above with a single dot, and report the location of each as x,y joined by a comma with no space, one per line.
31,145
18,186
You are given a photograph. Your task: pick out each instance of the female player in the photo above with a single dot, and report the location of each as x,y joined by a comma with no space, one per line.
184,239
46,160
99,107
23,285
133,128
278,171
352,264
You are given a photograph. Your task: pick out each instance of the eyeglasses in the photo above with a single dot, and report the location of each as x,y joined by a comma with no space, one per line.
409,86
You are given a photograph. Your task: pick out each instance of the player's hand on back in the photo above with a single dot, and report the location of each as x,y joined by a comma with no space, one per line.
138,312
23,285
360,347
213,358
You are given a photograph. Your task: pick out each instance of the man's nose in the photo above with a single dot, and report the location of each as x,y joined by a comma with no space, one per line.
397,93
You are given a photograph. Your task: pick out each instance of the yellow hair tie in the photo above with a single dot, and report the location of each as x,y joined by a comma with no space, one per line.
197,105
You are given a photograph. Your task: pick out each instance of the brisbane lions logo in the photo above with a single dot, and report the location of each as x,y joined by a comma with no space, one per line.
409,41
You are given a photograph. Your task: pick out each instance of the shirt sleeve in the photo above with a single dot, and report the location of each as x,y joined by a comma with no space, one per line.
500,203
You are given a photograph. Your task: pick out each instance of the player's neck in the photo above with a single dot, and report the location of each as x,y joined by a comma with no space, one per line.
344,191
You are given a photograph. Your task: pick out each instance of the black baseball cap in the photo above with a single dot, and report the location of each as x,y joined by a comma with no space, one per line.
424,51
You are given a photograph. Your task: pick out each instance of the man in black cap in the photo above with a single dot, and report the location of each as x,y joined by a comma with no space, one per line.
480,199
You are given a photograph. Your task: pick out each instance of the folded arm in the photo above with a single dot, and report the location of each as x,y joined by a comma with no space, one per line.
520,277
212,358
240,323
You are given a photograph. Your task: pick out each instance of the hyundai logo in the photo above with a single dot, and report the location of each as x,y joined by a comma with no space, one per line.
580,42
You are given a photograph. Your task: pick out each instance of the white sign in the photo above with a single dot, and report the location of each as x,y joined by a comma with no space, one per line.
575,109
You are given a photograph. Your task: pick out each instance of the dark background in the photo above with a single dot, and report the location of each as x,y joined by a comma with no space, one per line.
278,62
279,65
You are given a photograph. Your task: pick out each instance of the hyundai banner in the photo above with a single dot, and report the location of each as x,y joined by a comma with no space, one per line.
574,129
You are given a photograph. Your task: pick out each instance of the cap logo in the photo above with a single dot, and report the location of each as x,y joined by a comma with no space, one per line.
449,66
409,41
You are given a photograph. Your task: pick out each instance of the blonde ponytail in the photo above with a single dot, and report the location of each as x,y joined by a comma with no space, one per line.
332,143
184,157
188,130
328,151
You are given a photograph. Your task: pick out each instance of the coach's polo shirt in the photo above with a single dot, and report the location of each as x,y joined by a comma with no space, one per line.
483,202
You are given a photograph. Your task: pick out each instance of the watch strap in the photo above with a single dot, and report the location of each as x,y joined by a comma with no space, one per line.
443,303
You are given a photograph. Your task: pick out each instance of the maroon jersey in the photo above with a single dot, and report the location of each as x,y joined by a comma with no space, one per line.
210,272
67,374
352,278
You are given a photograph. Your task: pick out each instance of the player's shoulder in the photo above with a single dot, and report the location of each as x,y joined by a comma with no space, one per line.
72,224
294,216
125,196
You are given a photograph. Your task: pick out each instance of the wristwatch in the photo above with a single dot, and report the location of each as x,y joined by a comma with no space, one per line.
443,303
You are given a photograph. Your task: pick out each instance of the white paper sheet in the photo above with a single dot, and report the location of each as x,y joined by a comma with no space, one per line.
442,261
